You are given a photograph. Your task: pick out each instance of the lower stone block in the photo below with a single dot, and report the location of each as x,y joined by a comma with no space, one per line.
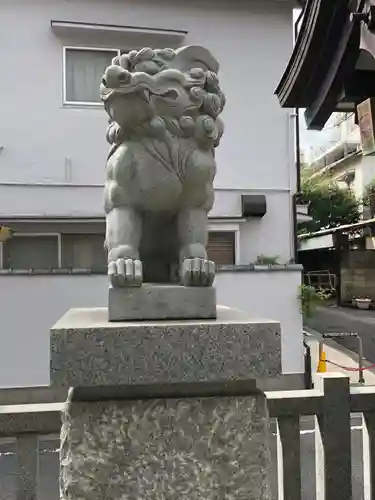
171,449
161,302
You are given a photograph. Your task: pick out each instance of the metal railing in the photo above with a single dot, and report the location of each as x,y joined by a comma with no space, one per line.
322,280
308,368
331,402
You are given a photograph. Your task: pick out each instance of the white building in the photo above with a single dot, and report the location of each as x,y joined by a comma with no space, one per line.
342,160
53,152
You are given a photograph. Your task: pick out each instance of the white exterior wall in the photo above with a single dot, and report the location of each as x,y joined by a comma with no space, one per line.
364,168
28,313
364,174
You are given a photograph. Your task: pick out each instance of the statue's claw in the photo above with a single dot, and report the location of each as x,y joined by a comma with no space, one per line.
197,272
125,273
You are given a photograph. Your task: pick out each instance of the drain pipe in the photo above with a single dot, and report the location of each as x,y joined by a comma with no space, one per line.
298,157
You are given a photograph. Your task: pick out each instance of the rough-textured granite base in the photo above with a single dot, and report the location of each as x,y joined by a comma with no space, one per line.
154,302
173,449
88,350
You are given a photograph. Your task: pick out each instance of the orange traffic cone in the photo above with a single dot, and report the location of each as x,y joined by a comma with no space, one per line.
322,365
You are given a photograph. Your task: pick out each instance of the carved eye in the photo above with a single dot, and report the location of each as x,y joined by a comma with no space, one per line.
171,94
104,81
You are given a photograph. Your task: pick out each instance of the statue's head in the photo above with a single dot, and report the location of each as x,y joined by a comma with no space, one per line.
159,90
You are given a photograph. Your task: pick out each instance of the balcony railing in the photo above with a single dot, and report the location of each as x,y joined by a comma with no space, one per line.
331,403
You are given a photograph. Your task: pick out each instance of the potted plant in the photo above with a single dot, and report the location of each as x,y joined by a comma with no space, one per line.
265,260
363,302
310,298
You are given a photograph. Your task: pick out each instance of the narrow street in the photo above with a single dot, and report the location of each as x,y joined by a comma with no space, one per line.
338,319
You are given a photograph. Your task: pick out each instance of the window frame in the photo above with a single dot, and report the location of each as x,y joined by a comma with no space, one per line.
64,74
34,235
61,249
221,227
212,227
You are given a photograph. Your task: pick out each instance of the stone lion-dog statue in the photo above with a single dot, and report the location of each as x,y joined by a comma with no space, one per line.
163,107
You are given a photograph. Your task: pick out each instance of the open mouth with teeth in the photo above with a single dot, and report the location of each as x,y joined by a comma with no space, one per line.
165,84
142,91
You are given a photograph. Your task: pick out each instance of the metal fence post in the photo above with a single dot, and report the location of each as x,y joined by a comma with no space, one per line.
332,438
308,371
361,378
321,343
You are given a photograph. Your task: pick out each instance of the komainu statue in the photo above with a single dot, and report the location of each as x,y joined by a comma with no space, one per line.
163,107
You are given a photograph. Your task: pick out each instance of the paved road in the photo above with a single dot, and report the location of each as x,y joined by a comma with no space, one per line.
337,319
48,467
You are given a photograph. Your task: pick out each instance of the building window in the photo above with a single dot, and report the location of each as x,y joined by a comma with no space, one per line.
83,251
31,252
84,68
86,251
221,247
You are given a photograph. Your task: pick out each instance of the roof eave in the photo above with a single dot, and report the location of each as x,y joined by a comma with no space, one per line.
325,53
312,50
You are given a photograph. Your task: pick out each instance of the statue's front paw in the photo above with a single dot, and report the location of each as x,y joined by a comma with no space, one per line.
125,273
197,272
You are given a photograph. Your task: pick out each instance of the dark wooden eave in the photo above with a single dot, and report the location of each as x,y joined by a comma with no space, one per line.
323,61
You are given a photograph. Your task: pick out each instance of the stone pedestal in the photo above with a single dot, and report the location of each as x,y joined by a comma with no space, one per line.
161,302
193,449
88,350
164,410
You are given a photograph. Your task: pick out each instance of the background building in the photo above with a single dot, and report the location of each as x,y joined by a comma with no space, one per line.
342,160
332,69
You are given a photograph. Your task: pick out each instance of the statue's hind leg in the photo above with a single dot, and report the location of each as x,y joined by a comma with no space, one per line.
123,235
195,269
